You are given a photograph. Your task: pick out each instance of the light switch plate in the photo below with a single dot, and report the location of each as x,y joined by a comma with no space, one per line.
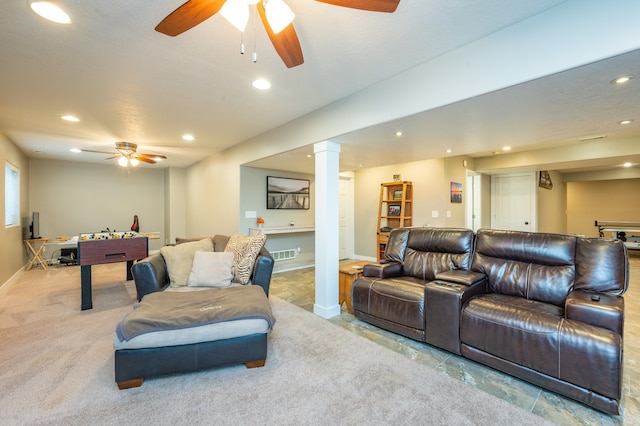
434,213
250,214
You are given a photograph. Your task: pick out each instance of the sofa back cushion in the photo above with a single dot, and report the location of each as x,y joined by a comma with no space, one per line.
430,251
536,266
602,265
396,245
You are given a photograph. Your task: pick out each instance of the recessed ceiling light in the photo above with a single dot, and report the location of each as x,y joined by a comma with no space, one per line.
188,137
261,84
626,122
627,164
622,79
399,133
70,118
75,150
506,148
448,151
50,12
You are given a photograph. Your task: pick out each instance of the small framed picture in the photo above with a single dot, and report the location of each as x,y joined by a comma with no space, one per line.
545,180
393,210
397,194
456,192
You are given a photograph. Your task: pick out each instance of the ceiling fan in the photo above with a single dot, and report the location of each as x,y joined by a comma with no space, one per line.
126,153
282,36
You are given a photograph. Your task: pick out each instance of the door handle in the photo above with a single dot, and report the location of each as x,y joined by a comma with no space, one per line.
526,223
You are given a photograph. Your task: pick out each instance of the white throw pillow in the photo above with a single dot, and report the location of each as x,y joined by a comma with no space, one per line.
179,259
211,269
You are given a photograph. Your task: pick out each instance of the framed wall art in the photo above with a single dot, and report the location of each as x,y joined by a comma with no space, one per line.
287,193
456,192
545,180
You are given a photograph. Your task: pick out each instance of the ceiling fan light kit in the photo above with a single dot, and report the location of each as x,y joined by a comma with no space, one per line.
126,153
279,15
236,12
276,17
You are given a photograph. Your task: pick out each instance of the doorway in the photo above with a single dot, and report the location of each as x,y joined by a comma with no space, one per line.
514,202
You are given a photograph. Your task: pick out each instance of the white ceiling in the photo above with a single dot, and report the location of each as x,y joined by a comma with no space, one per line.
126,81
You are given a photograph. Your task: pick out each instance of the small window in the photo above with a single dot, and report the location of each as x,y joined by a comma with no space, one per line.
11,196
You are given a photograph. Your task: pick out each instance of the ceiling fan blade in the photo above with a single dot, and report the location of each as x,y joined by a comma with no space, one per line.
111,158
188,16
163,157
145,159
152,156
388,6
98,152
285,42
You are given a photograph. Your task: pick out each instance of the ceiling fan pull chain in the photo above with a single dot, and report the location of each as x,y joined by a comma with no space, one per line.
254,57
241,42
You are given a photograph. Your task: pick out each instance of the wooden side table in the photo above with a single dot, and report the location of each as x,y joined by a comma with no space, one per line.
348,273
36,246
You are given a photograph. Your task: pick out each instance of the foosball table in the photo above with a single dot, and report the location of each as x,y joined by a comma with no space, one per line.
107,247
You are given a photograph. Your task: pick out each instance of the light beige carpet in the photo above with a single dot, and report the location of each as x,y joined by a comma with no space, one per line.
56,367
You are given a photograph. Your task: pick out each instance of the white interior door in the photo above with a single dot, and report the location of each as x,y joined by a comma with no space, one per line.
513,202
473,202
346,221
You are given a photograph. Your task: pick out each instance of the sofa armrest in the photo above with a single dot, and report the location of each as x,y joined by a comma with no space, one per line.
460,276
262,270
382,270
597,309
150,275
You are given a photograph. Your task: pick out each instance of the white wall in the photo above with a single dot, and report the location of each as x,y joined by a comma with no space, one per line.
431,193
253,197
75,198
552,206
12,251
175,200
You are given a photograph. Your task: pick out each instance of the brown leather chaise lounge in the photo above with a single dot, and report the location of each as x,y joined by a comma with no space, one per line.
546,308
133,365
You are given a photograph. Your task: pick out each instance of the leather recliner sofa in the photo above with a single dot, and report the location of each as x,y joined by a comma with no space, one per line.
546,308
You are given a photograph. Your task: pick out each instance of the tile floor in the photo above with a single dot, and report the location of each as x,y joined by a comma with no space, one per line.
297,287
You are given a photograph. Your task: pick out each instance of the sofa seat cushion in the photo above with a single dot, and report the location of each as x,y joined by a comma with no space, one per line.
537,336
187,336
399,300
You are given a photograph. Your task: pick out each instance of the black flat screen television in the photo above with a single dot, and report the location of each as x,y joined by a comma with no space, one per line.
35,225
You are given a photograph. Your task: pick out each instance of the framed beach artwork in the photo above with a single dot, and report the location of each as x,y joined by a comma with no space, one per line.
456,192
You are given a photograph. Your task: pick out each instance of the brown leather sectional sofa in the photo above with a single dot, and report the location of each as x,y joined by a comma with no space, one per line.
547,308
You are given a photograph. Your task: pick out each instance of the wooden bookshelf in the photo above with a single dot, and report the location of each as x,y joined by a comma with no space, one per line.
395,211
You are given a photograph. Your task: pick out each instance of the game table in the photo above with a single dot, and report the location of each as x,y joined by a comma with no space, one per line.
107,247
